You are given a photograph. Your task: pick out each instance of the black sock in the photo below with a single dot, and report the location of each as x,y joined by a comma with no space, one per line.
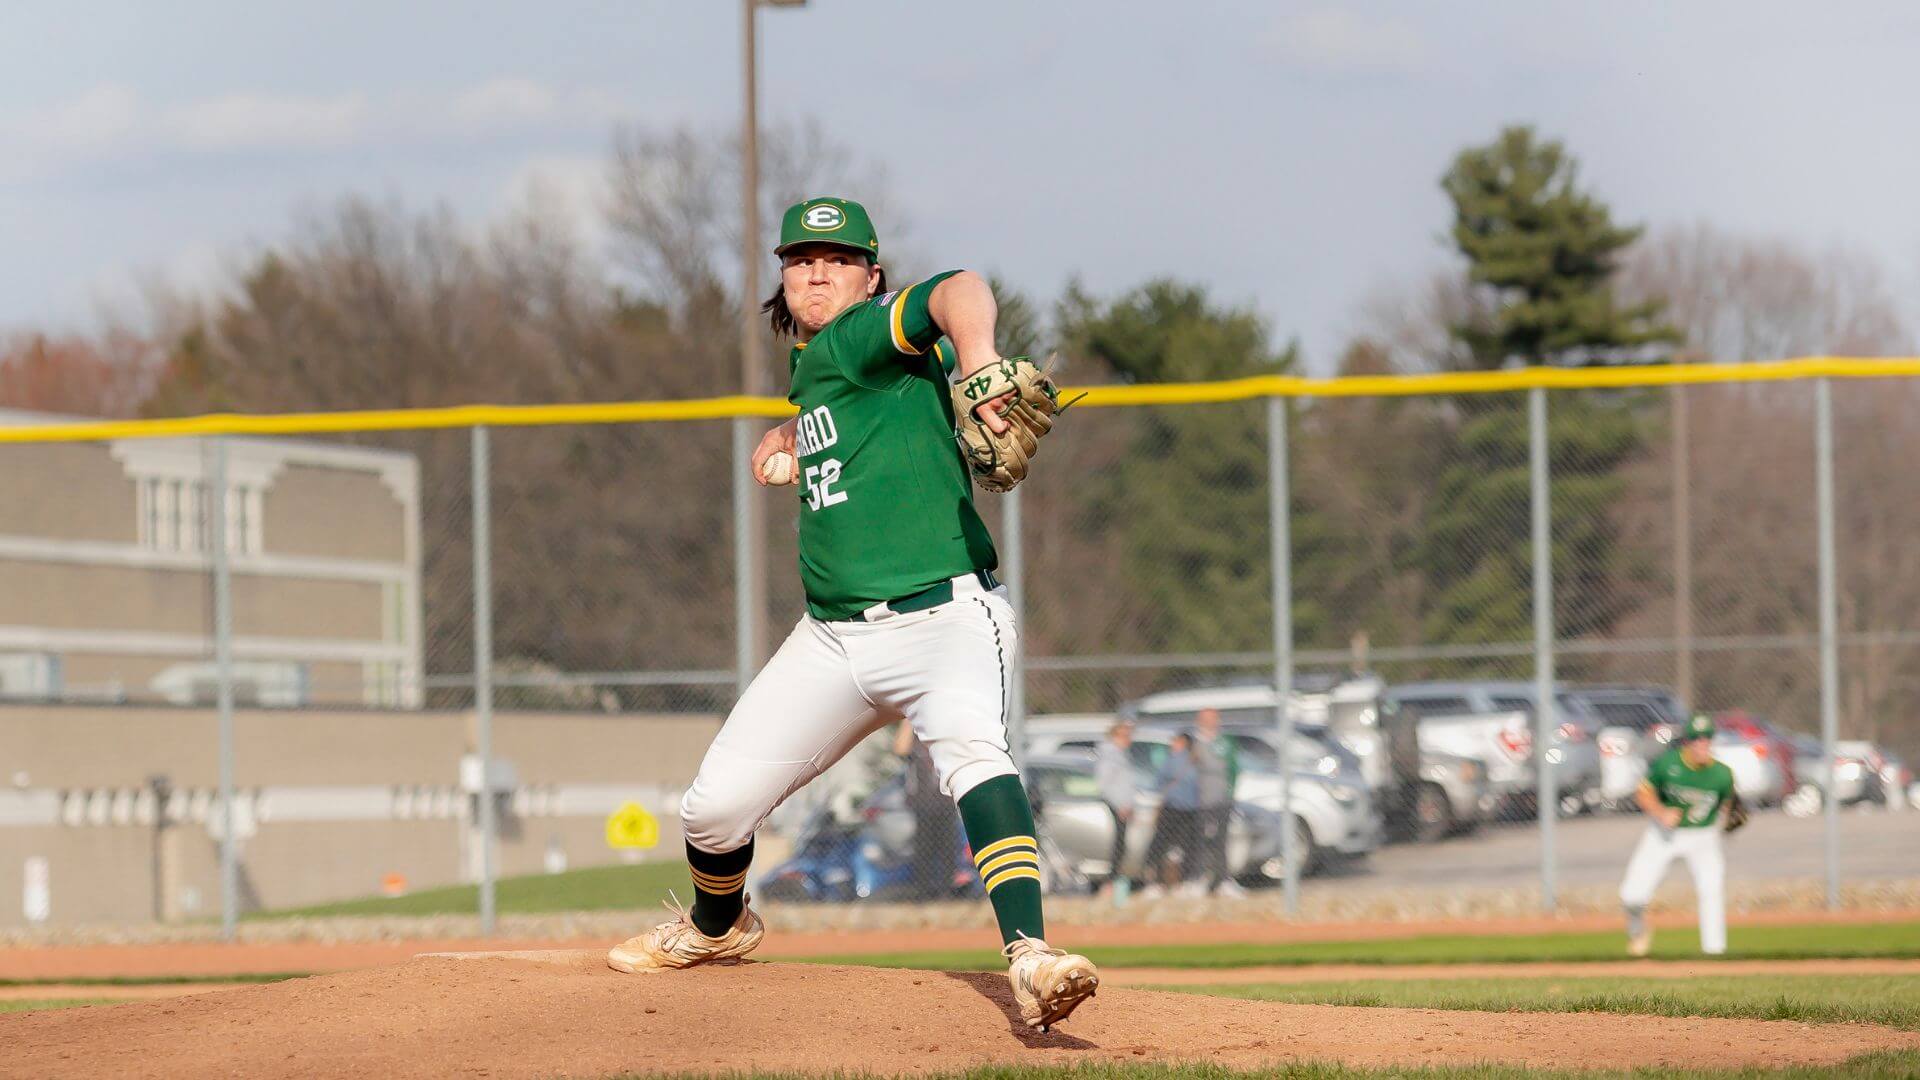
719,887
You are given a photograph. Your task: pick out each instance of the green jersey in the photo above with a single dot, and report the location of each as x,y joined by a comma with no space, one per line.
886,503
1698,793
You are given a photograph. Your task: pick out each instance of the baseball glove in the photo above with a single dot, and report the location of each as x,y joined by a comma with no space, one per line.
1736,814
1000,461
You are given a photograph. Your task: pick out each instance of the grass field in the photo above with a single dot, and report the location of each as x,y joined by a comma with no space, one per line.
1900,940
1890,1000
51,1003
1888,1066
599,888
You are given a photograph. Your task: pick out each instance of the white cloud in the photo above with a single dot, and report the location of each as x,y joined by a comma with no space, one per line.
240,121
111,121
1342,41
505,99
572,187
103,115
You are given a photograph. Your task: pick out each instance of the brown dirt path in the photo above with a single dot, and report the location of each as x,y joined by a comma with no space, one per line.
510,1018
1307,973
281,957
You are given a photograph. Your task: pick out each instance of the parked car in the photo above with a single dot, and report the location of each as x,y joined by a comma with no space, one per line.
1070,813
1492,722
1847,778
869,858
1889,777
1762,759
1637,723
1419,794
1332,806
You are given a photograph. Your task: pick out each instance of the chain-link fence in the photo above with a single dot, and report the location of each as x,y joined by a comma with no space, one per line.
416,661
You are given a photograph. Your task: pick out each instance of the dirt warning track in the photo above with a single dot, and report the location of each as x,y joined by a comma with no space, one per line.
567,1014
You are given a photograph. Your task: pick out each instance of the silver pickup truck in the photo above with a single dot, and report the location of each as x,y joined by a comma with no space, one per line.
1493,722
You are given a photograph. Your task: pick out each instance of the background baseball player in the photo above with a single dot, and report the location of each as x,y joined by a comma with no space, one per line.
1690,798
904,616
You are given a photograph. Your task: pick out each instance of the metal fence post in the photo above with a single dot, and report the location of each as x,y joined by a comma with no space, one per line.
1682,548
1279,514
216,525
1014,568
745,618
1543,677
483,663
1829,628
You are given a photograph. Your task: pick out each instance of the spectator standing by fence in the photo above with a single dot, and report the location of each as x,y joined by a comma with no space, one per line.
1113,769
1178,783
1217,764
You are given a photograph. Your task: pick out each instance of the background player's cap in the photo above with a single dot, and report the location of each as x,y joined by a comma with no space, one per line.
828,220
1699,726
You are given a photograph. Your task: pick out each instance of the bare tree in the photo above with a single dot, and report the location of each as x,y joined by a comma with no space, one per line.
1743,298
1751,478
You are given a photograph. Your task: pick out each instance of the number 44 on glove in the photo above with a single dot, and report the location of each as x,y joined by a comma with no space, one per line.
999,460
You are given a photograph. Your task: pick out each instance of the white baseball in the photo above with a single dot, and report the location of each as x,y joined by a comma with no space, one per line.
779,469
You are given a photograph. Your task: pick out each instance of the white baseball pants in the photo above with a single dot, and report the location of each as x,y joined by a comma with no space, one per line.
1706,862
831,684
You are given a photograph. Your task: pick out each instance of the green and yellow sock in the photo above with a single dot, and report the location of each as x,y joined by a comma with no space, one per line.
719,887
999,824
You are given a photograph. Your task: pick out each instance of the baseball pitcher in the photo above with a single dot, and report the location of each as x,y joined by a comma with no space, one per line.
1690,798
904,618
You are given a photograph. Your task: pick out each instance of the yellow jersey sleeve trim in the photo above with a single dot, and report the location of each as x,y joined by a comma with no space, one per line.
896,323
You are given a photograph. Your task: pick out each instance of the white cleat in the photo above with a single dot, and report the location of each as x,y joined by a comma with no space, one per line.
1048,983
677,943
1640,944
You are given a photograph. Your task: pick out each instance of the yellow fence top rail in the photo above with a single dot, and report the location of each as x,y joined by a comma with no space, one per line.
1112,396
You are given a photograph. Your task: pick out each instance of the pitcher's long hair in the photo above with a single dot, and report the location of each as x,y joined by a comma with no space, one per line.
782,319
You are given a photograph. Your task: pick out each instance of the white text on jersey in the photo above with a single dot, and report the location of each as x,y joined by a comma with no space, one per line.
816,432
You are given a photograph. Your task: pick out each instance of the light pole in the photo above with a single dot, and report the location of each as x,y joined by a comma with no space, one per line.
749,569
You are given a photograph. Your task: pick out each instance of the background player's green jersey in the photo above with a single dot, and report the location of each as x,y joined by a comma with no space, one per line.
1698,793
886,503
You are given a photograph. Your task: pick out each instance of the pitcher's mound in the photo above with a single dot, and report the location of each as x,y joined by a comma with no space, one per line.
566,1013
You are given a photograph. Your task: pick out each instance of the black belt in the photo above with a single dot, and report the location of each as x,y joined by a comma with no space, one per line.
931,597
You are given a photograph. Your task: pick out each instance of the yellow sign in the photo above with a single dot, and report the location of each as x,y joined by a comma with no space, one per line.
632,827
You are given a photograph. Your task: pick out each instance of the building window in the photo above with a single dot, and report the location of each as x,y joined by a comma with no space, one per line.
173,516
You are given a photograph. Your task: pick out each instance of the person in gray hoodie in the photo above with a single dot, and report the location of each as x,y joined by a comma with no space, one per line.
1119,789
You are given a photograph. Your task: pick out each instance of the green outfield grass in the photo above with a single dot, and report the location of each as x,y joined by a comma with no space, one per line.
53,1003
1890,1000
599,888
156,980
1893,1065
1897,940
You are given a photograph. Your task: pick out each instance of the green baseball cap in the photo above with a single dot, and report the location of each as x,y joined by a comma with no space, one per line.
1699,726
828,220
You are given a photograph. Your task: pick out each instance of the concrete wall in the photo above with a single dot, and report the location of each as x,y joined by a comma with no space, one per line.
73,791
66,491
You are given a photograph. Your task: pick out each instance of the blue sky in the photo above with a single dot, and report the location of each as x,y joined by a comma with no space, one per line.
1285,154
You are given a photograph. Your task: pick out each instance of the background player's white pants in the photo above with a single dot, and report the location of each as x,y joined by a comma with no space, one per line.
832,684
1701,849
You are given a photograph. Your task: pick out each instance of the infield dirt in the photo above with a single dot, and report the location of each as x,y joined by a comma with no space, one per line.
565,1013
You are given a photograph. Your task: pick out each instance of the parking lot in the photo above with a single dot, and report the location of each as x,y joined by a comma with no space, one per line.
1874,844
